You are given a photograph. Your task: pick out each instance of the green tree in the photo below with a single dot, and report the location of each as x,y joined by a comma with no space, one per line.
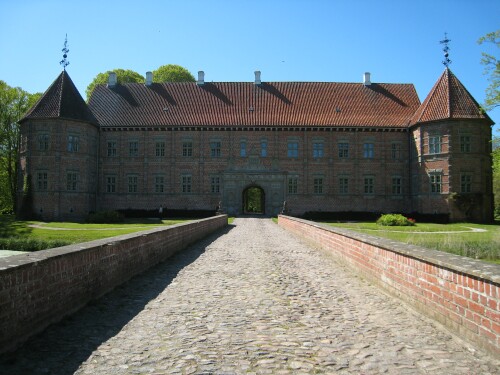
172,73
492,69
14,102
122,76
496,174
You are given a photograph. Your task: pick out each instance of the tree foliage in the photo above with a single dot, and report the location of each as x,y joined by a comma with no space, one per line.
172,73
492,69
14,103
496,174
122,76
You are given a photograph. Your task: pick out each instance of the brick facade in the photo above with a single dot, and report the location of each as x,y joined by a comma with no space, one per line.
298,148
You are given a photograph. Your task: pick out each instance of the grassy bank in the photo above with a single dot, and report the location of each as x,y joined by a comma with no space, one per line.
478,241
34,235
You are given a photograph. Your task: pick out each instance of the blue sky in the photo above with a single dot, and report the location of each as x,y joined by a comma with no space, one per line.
294,40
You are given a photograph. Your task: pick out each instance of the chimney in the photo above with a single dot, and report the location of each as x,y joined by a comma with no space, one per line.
257,77
112,79
366,79
149,78
201,78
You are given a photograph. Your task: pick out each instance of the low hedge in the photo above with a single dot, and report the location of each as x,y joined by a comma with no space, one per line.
29,244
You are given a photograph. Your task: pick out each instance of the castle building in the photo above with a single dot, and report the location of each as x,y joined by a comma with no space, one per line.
319,146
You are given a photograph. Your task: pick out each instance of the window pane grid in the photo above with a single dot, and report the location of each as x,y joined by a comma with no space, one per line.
215,149
292,185
318,185
293,149
159,184
343,150
160,149
318,150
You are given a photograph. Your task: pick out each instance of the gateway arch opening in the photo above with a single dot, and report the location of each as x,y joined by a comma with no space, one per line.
254,200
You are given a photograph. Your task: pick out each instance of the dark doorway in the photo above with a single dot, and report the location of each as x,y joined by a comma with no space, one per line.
254,200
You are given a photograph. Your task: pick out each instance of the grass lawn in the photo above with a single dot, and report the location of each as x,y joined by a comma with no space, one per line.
478,241
35,235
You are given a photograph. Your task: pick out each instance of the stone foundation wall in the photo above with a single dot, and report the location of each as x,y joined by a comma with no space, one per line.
40,288
458,292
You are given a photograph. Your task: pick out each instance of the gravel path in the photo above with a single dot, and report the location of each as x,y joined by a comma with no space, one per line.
252,300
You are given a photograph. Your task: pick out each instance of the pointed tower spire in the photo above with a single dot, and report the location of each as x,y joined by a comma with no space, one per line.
449,99
444,42
64,62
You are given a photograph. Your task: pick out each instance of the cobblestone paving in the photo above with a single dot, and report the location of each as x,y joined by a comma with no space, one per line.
254,300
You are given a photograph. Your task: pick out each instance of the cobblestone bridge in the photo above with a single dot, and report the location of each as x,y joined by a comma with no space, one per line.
252,300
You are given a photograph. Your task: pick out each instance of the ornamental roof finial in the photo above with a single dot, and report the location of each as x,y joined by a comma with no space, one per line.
445,41
64,62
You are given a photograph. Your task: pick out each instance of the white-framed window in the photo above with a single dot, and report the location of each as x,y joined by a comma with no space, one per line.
215,149
159,184
110,184
263,148
133,148
42,180
318,185
369,185
318,150
465,143
73,143
71,180
436,183
465,183
187,149
343,150
293,182
395,151
293,149
112,151
434,144
43,142
397,188
368,150
133,184
160,148
215,184
186,183
243,149
343,185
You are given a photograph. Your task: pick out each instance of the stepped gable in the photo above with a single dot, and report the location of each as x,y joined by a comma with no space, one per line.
449,99
63,101
226,104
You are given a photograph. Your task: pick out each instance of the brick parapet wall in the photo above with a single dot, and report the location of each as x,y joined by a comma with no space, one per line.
461,293
40,288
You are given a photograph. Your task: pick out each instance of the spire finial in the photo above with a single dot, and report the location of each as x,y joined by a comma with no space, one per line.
64,62
445,41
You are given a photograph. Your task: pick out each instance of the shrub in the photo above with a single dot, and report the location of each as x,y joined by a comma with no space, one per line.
105,217
29,244
396,220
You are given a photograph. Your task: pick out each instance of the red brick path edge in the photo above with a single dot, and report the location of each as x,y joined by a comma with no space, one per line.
40,288
462,294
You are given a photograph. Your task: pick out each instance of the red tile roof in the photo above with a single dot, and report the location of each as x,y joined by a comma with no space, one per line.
246,104
61,100
448,99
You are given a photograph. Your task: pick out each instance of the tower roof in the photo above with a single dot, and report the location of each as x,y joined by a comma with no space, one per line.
448,99
61,100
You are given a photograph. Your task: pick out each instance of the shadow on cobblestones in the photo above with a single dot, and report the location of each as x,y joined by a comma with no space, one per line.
62,347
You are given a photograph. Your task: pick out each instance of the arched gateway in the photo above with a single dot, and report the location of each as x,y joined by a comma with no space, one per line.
254,200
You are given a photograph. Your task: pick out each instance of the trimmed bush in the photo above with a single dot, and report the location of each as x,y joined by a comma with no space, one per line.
395,220
105,217
29,244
